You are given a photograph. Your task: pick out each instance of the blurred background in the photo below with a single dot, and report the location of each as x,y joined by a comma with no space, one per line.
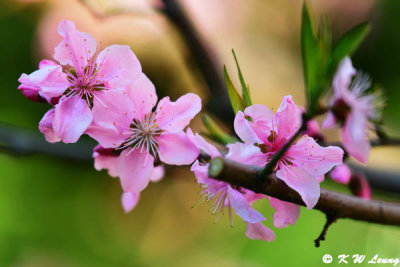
59,211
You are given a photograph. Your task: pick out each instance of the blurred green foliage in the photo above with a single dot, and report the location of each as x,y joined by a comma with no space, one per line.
63,213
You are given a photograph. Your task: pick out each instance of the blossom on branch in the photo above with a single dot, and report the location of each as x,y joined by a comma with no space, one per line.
303,165
227,197
139,136
353,109
82,74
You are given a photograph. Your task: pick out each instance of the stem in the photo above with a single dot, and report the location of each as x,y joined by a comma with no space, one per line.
330,202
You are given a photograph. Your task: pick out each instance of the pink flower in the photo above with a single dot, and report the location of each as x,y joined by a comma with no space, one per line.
224,196
303,164
341,174
82,75
359,186
108,158
352,108
128,124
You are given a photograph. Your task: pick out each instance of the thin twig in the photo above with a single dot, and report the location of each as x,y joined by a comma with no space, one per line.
329,220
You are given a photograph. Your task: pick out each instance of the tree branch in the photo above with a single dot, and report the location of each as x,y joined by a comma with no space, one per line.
330,202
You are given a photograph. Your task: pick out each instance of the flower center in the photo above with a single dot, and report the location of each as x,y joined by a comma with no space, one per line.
143,135
341,109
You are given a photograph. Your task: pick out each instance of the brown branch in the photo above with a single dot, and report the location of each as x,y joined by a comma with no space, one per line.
330,219
330,202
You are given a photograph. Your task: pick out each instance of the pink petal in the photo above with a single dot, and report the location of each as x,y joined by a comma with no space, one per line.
262,121
176,149
157,174
342,78
259,231
72,118
341,174
286,213
46,127
47,82
76,49
118,65
317,160
46,63
246,154
129,200
301,181
175,116
359,186
244,129
135,169
250,196
202,144
104,158
143,95
242,207
112,114
288,118
354,136
329,121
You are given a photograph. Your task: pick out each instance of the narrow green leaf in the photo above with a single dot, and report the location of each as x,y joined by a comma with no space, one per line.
216,133
348,43
245,89
236,100
311,56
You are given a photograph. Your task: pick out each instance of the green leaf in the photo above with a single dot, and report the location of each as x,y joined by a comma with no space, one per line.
216,133
236,101
245,89
311,55
348,43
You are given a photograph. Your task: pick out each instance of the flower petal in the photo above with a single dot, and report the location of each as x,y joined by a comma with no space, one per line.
72,118
176,149
118,66
259,231
46,127
175,116
341,174
244,129
47,82
135,169
246,154
301,181
112,114
317,160
329,121
342,78
129,200
76,49
288,118
242,207
354,136
285,212
104,158
202,144
143,95
262,120
157,174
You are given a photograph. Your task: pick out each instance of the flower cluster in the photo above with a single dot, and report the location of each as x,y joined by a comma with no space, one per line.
105,95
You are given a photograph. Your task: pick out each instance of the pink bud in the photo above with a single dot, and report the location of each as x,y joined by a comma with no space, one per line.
359,186
341,174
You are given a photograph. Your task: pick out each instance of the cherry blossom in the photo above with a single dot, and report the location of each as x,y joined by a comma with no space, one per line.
82,74
352,108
